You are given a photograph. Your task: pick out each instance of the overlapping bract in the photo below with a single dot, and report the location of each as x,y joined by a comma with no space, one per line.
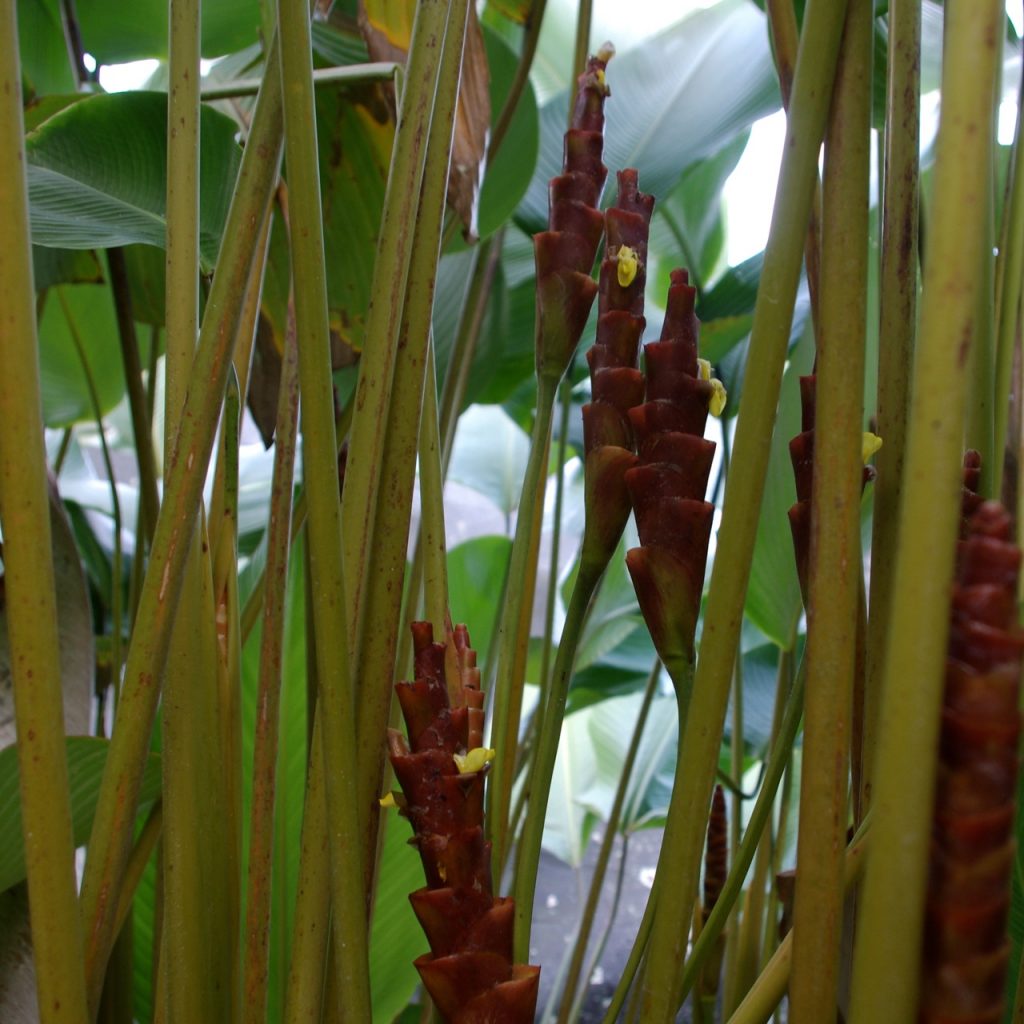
469,971
965,942
616,384
667,485
565,253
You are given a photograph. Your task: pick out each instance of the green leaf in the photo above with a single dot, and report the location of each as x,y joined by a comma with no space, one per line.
116,33
44,54
676,98
489,455
64,266
97,174
86,759
476,572
85,311
566,826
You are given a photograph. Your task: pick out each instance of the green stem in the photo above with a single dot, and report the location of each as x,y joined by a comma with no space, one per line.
770,987
886,971
581,50
539,784
514,631
29,581
744,490
604,853
111,836
835,557
432,537
531,37
336,702
629,970
759,819
268,699
350,74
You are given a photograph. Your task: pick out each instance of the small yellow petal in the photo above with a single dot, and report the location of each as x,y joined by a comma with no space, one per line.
629,262
474,760
870,443
704,369
388,800
716,406
606,52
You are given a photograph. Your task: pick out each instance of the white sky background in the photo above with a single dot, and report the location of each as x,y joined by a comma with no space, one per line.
750,190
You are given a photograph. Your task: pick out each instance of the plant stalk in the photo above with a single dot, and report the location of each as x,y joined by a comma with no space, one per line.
885,984
772,319
31,604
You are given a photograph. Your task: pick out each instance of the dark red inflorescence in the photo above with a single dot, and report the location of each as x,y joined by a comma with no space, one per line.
966,948
616,383
667,485
565,253
469,971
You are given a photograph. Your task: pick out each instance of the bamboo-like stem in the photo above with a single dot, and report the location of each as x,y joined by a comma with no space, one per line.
141,433
514,631
892,898
336,704
586,925
581,49
432,536
744,490
770,987
268,694
1009,276
350,74
304,996
379,614
632,965
835,558
142,851
539,784
111,837
29,581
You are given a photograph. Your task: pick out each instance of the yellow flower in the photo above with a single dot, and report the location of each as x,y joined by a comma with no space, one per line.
388,800
474,760
870,443
629,262
716,404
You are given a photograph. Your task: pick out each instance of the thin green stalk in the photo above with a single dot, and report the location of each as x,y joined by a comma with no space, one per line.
380,601
336,703
531,37
62,451
142,851
586,925
886,972
432,537
1009,275
770,986
142,435
743,969
350,74
111,837
29,581
772,319
116,613
581,50
539,784
835,558
262,831
629,970
733,929
514,631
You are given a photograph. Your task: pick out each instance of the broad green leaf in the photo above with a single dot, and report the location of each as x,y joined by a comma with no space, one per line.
676,98
476,574
44,53
86,759
619,672
355,132
116,33
97,174
489,455
44,107
566,828
87,312
64,266
686,229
